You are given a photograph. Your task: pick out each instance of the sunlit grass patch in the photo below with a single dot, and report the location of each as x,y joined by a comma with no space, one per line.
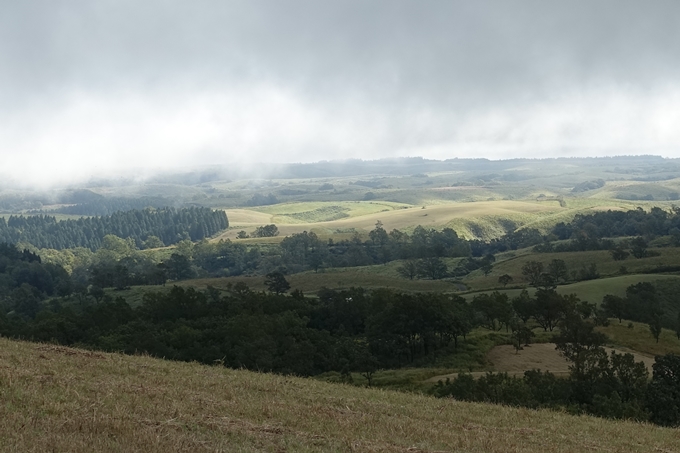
300,210
323,214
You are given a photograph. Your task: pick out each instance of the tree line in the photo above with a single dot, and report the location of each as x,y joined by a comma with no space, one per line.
343,331
108,205
147,227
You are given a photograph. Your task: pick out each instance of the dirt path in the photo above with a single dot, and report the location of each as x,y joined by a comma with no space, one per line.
542,356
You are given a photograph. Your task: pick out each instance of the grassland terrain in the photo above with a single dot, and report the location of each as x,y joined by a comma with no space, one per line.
471,220
627,337
342,278
635,336
382,276
68,400
511,263
541,356
485,351
590,290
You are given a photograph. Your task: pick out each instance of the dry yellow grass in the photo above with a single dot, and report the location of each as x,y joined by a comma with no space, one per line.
432,216
480,219
247,217
542,356
66,400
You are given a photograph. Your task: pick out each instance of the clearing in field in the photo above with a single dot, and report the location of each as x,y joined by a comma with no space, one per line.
247,218
542,356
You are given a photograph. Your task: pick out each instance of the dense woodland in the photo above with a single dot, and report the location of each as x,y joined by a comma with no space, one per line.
164,226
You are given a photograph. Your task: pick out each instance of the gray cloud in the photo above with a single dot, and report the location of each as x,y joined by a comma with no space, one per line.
96,86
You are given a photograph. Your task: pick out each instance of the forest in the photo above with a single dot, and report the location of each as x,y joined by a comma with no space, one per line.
147,227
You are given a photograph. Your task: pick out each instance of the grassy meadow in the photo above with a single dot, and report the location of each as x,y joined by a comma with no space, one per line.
68,400
636,336
471,220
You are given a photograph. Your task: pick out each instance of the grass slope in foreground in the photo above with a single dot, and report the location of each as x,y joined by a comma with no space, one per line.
60,399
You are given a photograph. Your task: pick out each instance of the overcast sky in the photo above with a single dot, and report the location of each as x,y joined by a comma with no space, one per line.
91,87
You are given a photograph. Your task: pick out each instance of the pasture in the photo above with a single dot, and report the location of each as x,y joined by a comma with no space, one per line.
635,336
590,290
362,216
511,263
338,278
537,356
483,219
69,400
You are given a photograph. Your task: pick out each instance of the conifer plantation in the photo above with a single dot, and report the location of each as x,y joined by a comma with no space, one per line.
168,224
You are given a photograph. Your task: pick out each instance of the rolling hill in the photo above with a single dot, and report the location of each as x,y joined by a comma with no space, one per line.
61,399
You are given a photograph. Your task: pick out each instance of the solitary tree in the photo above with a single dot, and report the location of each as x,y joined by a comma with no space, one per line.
532,270
638,247
432,267
577,341
558,270
655,324
614,306
619,254
276,282
487,268
504,280
409,269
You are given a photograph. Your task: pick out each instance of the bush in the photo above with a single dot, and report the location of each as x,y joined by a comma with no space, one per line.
266,231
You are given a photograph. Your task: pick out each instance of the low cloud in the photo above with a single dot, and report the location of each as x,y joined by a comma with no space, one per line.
107,88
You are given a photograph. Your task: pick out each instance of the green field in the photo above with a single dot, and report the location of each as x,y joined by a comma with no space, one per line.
511,263
636,337
341,278
591,290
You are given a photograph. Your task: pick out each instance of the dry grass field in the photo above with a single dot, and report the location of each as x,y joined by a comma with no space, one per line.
542,356
478,219
362,216
59,399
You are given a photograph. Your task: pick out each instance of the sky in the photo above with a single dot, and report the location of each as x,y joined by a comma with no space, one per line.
91,88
